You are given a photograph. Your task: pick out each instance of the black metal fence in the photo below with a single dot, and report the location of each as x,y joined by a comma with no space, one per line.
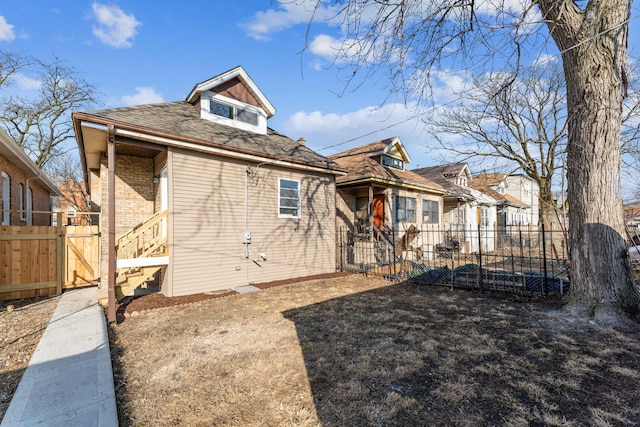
518,259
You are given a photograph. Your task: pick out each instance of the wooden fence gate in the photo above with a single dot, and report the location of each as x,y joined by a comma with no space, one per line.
43,260
82,256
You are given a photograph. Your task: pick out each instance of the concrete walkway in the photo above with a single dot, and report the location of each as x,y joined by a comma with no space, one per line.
69,381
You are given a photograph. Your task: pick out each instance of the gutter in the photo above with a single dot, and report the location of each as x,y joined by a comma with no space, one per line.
384,181
137,132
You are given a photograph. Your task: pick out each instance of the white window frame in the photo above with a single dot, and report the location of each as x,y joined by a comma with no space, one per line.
260,127
280,207
6,199
484,217
405,209
22,213
29,206
427,217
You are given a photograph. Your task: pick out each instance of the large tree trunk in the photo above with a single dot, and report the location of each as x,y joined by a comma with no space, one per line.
602,284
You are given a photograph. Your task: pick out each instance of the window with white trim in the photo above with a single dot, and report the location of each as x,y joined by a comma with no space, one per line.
233,112
431,211
484,217
21,207
29,206
6,199
405,209
289,198
392,162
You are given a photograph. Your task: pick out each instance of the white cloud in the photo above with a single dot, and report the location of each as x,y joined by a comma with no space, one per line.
325,46
114,27
143,95
6,30
26,83
331,133
544,59
289,14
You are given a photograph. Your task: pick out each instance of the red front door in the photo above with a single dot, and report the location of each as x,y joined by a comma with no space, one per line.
378,211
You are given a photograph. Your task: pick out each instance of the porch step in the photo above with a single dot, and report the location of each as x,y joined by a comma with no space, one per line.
136,279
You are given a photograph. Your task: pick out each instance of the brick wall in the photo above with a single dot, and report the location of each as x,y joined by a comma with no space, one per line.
134,199
41,200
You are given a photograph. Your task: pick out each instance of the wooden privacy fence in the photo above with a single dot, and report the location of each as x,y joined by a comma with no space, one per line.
42,260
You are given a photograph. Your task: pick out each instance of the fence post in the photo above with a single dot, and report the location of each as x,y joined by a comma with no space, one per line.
480,283
60,256
341,249
393,250
545,287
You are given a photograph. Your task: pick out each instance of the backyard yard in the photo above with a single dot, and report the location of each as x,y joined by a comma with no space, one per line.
361,351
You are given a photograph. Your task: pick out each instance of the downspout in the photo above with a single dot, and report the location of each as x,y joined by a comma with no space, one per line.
111,239
246,219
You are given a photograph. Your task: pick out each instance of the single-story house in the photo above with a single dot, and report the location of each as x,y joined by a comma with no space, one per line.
204,194
379,199
469,216
26,190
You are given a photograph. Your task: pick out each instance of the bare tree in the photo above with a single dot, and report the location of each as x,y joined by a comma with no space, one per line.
10,64
521,120
630,132
41,124
409,39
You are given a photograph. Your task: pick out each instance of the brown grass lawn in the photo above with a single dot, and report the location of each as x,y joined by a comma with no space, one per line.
356,351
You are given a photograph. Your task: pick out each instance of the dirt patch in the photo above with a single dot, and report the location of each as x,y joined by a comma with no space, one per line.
361,351
21,328
144,303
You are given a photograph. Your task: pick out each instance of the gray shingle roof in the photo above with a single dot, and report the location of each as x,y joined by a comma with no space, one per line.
181,120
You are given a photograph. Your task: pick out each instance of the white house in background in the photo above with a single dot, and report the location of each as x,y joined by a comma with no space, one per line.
469,215
517,197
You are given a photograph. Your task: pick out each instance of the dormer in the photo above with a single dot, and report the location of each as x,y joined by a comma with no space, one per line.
233,99
394,155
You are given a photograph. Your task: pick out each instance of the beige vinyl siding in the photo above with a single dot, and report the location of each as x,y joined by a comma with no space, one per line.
345,211
208,219
159,163
419,197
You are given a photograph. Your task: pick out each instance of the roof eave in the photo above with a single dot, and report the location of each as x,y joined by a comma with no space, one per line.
164,138
364,179
11,150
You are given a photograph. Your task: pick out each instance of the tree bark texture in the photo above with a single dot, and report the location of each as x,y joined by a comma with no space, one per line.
594,51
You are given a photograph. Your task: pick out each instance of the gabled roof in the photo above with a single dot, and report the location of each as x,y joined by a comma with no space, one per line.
441,174
362,167
10,150
502,199
489,179
173,123
437,172
239,73
376,148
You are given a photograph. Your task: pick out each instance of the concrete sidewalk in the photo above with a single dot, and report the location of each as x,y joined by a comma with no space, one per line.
69,381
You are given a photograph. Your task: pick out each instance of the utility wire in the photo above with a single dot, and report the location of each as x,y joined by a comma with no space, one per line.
461,94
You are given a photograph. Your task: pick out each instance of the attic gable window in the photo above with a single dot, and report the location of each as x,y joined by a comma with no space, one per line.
233,112
220,109
392,162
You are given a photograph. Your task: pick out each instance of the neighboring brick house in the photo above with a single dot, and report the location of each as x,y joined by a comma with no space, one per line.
224,200
74,203
25,190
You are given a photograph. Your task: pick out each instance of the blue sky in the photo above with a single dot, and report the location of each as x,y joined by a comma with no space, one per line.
140,52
